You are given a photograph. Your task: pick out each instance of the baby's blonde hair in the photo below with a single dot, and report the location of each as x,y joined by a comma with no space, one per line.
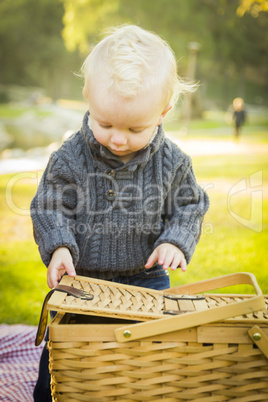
134,60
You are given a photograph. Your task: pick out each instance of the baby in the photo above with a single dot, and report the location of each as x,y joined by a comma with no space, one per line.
118,200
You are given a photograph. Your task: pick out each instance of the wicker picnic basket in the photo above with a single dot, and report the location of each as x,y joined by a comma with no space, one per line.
136,344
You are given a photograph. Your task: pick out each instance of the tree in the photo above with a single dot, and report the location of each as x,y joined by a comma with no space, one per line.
254,7
83,20
32,49
35,34
229,44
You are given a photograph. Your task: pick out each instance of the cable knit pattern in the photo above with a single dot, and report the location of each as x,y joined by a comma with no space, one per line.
111,216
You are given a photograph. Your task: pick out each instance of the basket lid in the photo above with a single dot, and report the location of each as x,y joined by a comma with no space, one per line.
111,299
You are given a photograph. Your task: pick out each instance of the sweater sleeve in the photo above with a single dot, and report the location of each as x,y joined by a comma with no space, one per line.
53,210
184,211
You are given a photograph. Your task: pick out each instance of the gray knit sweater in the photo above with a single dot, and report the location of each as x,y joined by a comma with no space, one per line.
112,215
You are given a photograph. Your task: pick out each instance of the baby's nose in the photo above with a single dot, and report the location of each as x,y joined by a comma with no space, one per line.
118,138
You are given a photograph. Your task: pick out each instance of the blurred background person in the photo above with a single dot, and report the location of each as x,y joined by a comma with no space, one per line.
239,116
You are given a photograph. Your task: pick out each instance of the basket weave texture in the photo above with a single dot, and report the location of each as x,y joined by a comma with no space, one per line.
206,363
110,299
130,302
154,371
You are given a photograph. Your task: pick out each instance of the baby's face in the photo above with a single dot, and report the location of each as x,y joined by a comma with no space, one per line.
124,126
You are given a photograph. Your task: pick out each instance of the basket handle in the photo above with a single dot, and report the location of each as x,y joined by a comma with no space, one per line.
239,278
260,339
44,312
193,319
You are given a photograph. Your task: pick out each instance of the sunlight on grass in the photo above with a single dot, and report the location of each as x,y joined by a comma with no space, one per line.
9,111
23,276
231,167
229,249
22,282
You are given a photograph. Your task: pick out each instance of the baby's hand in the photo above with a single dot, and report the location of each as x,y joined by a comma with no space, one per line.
60,263
168,255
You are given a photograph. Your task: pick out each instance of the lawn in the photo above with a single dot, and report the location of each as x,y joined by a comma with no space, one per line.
234,234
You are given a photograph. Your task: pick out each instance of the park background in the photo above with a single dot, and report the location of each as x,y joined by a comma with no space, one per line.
221,44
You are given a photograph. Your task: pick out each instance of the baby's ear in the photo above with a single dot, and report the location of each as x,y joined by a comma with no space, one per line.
85,93
165,111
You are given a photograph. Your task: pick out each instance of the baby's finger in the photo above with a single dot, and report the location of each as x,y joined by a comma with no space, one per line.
176,261
70,270
49,283
183,264
54,274
162,255
52,279
168,260
152,259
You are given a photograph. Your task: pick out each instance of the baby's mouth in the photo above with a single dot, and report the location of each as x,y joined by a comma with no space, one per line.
116,150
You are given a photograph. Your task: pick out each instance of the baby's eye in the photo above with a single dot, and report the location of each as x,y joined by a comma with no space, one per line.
136,131
105,125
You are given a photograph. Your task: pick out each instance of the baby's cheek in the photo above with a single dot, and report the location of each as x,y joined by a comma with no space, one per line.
139,144
100,137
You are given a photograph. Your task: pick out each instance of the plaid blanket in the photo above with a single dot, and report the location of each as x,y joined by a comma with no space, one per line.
19,362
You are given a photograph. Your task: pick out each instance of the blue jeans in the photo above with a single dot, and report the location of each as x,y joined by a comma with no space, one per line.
153,278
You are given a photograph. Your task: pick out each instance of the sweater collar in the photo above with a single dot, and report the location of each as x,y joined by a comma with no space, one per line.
102,153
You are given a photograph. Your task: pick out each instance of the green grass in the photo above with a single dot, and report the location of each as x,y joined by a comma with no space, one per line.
226,246
231,167
23,283
11,112
215,124
23,277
